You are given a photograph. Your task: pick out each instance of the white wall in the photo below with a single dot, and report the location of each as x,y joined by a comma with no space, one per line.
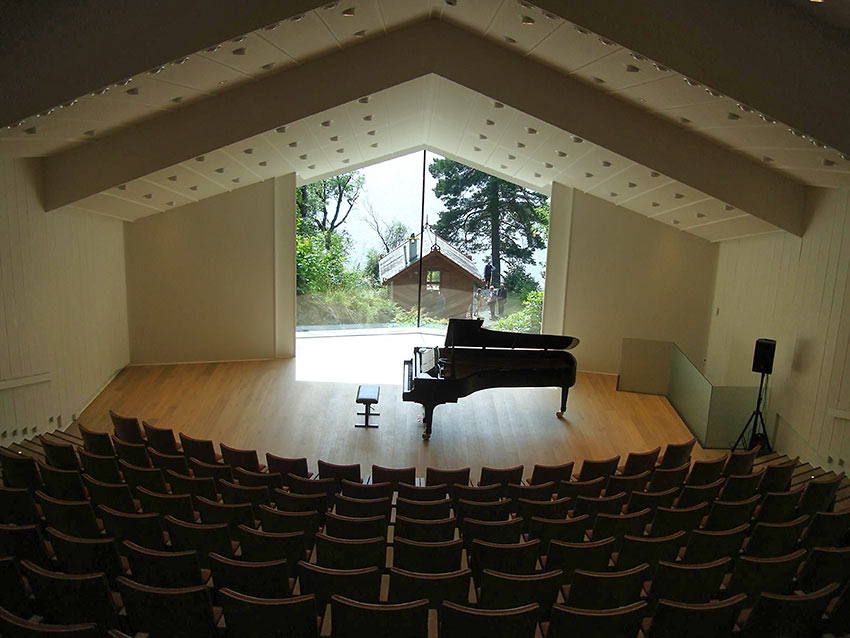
797,291
630,276
63,304
204,279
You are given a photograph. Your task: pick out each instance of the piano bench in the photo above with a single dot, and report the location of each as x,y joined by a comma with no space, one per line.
368,396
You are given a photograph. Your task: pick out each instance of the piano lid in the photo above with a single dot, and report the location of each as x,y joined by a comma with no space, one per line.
468,332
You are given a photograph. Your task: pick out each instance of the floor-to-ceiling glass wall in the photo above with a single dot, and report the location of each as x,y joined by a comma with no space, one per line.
415,241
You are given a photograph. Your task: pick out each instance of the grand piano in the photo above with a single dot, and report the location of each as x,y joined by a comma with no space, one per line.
475,359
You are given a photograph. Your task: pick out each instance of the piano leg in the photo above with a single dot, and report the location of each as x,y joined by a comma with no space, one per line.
564,392
429,415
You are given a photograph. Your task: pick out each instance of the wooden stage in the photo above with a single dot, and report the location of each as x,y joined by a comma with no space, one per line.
305,407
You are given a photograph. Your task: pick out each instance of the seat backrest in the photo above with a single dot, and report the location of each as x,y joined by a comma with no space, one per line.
639,500
752,575
827,529
705,546
194,485
701,620
607,590
266,579
740,487
566,622
639,462
436,476
166,611
248,478
58,596
506,531
779,507
235,457
704,472
275,520
422,492
359,584
284,466
573,489
590,556
161,439
214,470
628,483
367,490
13,626
393,475
76,518
427,531
342,553
163,568
127,428
664,478
569,530
135,453
481,494
741,461
102,468
62,484
644,549
668,520
555,473
683,583
59,454
233,494
86,555
347,527
175,462
293,502
460,621
115,495
696,494
508,558
19,470
96,442
17,506
383,620
824,565
143,529
729,514
416,556
151,478
337,472
428,510
595,468
201,449
819,494
204,538
775,539
15,597
363,507
790,616
259,545
301,485
541,492
592,506
777,477
676,454
251,617
503,591
498,510
408,586
618,525
500,475
178,505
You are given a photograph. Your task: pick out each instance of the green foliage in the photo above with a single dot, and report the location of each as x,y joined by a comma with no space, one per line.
518,282
371,271
408,318
485,213
528,319
350,304
320,262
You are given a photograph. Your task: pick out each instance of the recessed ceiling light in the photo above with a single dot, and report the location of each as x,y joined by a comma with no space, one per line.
248,151
303,157
312,167
268,67
606,163
744,108
598,80
676,222
588,175
581,30
713,93
281,129
489,122
335,138
577,139
503,167
100,92
655,204
530,131
239,51
122,187
511,157
171,203
654,173
331,5
367,118
222,82
133,91
631,185
172,178
360,34
561,154
660,67
64,106
178,99
220,170
613,194
346,161
263,163
728,207
374,145
476,149
767,119
520,145
180,61
607,42
700,215
272,26
90,132
498,105
481,136
193,188
349,13
238,39
451,3
684,120
297,18
148,195
538,175
548,165
340,150
766,159
327,123
678,196
631,68
293,144
690,82
157,70
364,100
509,40
235,180
212,49
732,116
200,158
527,20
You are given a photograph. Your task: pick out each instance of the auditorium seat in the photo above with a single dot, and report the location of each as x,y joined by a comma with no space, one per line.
246,459
350,472
76,518
169,612
426,531
819,494
201,449
482,510
540,492
639,462
741,462
96,442
618,525
568,557
323,582
778,507
101,467
507,558
427,510
775,539
63,484
266,579
59,454
367,490
252,617
596,468
213,470
160,568
665,478
284,466
341,553
134,453
777,476
649,549
257,479
715,619
114,495
126,428
17,506
232,514
653,500
500,476
628,483
348,527
300,485
292,502
363,507
393,475
555,473
352,618
592,506
484,493
76,555
260,546
161,439
568,530
436,476
726,515
276,520
13,594
203,538
177,505
824,565
413,492
622,622
827,529
606,589
789,616
136,476
143,529
705,472
23,541
12,626
174,462
461,621
574,489
695,494
233,494
529,510
19,470
740,487
406,586
677,454
705,546
752,575
418,556
506,531
684,583
503,591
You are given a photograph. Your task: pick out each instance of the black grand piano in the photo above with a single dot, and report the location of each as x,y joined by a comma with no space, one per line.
475,359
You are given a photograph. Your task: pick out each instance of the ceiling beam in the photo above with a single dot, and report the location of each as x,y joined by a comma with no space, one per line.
54,51
763,53
406,54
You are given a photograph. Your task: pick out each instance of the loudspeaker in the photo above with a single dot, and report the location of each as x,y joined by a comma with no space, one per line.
763,355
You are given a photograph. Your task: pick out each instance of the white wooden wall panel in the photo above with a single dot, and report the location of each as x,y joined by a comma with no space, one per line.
797,291
63,303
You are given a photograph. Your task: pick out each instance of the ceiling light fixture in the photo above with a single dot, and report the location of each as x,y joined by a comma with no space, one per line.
212,49
271,27
527,20
360,34
349,13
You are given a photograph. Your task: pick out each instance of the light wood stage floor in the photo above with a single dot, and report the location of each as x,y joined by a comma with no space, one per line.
305,407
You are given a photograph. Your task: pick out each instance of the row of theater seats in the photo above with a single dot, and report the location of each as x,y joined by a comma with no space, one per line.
647,547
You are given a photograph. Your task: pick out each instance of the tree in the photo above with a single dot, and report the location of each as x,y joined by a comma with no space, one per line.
327,203
484,212
391,234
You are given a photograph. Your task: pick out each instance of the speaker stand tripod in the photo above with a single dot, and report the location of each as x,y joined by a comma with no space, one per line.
759,434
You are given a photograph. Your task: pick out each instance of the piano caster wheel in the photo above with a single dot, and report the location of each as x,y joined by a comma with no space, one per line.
559,414
425,436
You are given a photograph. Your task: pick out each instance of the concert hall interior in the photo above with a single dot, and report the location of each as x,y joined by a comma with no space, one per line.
697,156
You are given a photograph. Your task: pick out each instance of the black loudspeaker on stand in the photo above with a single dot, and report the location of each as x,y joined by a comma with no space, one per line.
762,363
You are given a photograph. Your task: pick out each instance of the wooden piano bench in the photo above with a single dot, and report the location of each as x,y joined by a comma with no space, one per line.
368,396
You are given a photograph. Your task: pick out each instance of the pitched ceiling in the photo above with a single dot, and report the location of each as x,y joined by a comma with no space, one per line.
346,84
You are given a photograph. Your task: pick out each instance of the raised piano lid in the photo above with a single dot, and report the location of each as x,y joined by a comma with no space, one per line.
468,332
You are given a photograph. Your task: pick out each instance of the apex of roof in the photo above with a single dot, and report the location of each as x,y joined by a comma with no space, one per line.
408,252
